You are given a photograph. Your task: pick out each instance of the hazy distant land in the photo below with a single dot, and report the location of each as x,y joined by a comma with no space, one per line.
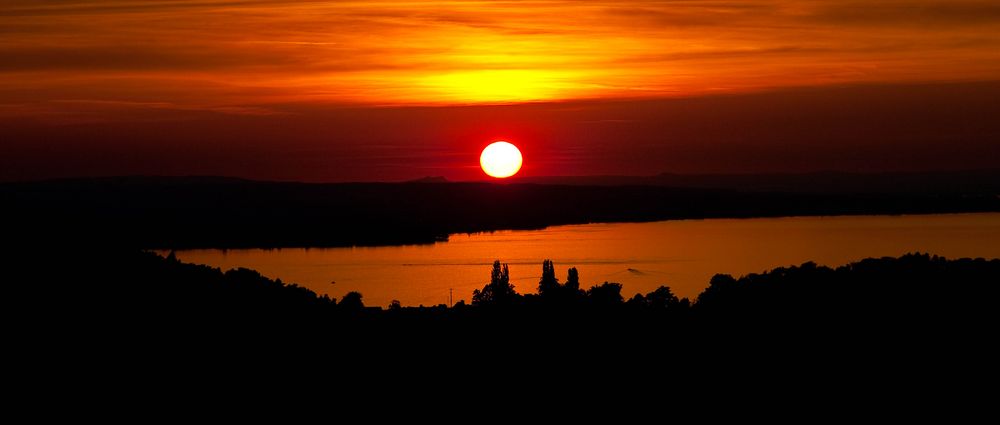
213,212
968,181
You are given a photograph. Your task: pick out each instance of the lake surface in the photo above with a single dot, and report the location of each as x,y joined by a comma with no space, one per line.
682,254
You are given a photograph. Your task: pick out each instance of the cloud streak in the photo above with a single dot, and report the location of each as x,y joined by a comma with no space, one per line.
247,54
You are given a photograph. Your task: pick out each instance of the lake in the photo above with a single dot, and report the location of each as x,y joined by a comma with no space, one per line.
682,254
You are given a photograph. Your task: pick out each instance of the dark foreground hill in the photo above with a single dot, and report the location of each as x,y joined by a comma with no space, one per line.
146,325
230,213
915,294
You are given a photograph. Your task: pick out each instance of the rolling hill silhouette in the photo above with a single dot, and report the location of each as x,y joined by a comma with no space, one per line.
936,182
213,212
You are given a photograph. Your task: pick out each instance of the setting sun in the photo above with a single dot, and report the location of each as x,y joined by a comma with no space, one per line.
500,160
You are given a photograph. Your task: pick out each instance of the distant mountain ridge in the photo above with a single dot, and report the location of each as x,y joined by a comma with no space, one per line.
973,182
213,212
970,181
429,179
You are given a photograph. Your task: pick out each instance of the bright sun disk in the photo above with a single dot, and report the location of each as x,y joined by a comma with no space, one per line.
500,160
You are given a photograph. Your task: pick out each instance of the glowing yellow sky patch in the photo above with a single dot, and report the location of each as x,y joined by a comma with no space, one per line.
507,85
220,53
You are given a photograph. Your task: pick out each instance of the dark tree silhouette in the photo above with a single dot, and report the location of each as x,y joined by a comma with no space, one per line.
351,301
499,291
548,286
607,294
660,299
722,290
572,280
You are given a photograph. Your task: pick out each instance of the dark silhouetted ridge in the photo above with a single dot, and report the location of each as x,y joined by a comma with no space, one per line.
835,182
430,179
113,314
198,212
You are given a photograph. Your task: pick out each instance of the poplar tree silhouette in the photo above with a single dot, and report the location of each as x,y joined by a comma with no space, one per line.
572,280
548,286
499,291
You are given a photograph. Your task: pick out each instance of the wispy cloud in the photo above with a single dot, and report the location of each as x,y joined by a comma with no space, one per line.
245,54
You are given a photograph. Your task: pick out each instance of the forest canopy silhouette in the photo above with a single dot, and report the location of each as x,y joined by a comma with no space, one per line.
134,285
128,310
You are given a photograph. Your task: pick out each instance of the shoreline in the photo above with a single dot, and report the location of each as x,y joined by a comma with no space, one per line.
185,213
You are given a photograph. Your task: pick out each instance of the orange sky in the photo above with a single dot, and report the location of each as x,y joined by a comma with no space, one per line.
238,56
75,62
